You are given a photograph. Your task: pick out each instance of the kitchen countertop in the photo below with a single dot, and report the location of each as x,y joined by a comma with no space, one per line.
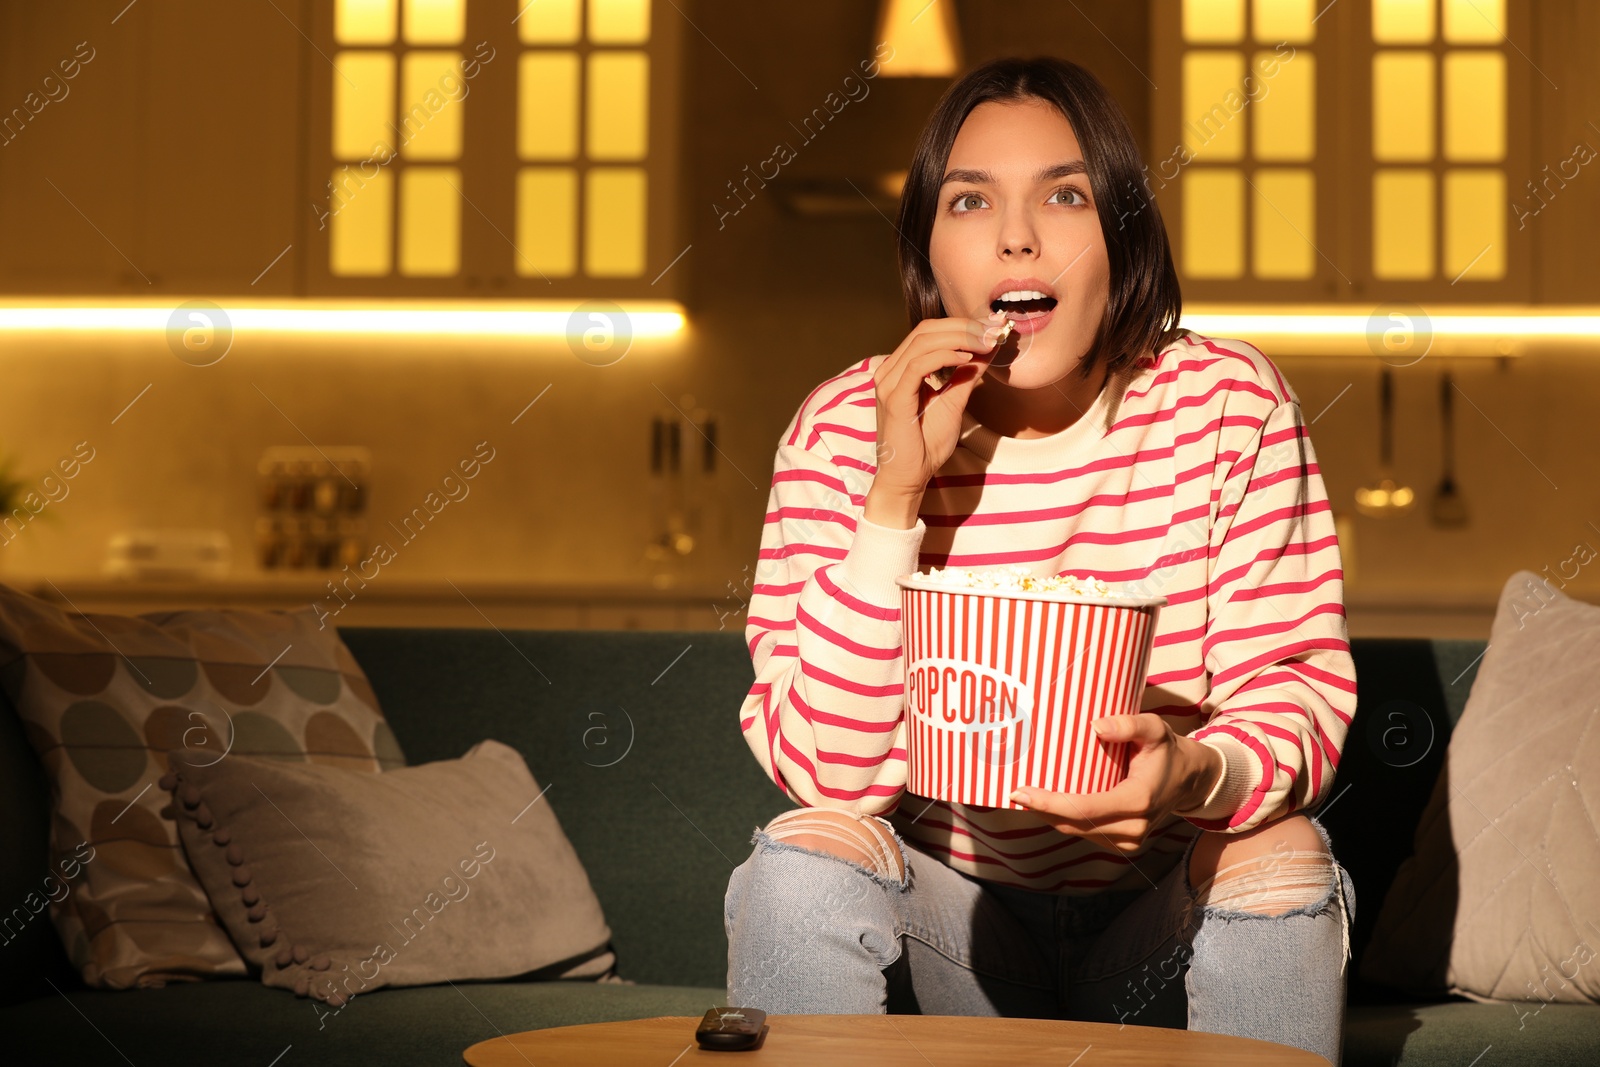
538,604
514,604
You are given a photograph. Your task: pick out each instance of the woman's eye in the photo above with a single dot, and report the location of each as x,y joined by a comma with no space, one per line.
1069,191
964,202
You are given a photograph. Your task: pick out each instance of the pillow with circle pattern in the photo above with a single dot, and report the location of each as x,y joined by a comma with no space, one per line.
104,699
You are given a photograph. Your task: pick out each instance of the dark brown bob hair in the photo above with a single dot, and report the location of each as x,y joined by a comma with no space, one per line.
1142,311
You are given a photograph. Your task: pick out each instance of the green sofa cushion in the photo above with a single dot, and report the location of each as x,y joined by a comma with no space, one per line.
239,1020
1458,1033
1412,693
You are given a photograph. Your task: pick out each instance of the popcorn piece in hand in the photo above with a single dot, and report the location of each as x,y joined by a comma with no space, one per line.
940,378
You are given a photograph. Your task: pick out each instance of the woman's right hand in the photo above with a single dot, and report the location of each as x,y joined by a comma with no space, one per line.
918,427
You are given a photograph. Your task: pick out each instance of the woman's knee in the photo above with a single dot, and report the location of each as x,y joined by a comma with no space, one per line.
814,881
866,842
1279,866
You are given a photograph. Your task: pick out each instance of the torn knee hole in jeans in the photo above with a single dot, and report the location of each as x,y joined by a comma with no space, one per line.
874,854
1303,883
1308,885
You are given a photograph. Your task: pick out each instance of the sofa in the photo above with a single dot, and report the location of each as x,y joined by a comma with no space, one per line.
635,736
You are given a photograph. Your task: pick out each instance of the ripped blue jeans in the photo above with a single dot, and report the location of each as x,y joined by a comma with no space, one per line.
814,933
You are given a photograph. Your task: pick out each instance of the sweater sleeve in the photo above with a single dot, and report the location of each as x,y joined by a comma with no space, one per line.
1276,646
825,717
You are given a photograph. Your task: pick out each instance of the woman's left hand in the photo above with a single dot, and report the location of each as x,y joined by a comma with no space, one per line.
1167,772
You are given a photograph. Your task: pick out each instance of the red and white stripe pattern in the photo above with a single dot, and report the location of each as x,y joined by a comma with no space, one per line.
1197,482
1001,692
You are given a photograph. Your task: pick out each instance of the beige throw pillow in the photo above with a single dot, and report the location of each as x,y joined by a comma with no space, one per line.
104,698
1498,902
335,883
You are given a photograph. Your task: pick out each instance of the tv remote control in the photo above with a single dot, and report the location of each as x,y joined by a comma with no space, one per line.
731,1029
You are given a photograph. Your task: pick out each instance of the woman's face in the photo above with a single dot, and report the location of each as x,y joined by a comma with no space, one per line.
1016,216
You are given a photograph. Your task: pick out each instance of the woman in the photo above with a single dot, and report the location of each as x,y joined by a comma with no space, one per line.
1099,440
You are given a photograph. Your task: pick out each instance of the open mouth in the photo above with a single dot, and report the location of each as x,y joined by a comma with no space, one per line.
1023,308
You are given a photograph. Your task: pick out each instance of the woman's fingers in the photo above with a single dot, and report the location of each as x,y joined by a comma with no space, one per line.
928,353
930,335
952,382
947,330
917,370
916,367
920,445
1123,801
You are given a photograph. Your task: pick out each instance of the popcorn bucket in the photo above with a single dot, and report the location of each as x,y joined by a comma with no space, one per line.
1002,686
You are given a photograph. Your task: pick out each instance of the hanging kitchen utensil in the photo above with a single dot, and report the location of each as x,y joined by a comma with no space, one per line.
1386,498
1449,507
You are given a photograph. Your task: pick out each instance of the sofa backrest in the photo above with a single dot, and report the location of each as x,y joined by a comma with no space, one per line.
636,736
1410,695
30,949
661,827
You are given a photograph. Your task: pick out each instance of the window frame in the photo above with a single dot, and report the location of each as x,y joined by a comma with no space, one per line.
489,164
1343,166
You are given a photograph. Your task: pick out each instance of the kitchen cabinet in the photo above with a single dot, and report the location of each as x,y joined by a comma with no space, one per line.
193,152
1350,153
167,164
525,151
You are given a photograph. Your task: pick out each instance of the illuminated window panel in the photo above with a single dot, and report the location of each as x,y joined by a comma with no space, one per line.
434,21
1213,106
430,221
1213,223
432,99
1475,106
1402,21
1402,106
364,21
1284,121
619,21
1213,21
1283,223
614,222
363,100
548,21
1285,20
618,115
547,105
1474,224
547,222
1402,224
360,239
1474,21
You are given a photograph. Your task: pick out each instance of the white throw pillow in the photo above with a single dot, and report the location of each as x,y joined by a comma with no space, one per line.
1500,901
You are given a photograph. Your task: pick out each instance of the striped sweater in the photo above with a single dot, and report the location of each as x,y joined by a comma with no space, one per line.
1191,477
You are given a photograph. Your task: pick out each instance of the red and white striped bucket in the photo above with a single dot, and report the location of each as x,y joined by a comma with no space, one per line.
1001,688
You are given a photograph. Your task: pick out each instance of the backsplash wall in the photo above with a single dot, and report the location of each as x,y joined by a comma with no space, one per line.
564,495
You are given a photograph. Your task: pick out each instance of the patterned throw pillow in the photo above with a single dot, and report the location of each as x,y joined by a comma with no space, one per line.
105,698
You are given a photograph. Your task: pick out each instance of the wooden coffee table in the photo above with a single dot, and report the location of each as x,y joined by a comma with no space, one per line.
883,1041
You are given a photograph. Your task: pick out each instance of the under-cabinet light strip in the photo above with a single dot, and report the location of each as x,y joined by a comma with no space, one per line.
1341,329
644,319
1361,325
